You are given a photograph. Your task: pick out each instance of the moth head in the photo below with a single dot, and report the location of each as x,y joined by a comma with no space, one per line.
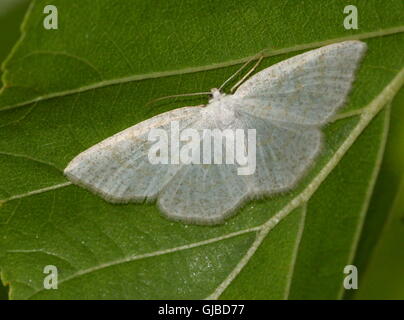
216,95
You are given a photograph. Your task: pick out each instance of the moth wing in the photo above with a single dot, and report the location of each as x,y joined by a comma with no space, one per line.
118,168
284,153
204,194
305,89
207,194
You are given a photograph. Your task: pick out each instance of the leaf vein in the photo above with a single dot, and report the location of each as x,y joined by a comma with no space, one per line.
153,75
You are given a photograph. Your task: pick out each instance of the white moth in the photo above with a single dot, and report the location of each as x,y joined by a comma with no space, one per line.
286,104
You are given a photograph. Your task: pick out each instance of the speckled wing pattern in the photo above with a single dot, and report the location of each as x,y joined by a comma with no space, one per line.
305,89
286,104
118,168
207,194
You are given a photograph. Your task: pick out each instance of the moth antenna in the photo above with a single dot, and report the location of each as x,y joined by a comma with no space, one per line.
240,69
247,74
178,95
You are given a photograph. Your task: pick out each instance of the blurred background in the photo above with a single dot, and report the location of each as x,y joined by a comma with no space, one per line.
380,258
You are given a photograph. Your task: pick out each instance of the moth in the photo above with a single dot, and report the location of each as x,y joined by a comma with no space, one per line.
286,104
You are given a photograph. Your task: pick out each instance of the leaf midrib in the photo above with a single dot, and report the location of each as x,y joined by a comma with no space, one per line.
268,52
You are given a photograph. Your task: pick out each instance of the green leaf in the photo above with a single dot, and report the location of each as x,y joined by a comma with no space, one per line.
383,232
388,256
68,89
11,14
